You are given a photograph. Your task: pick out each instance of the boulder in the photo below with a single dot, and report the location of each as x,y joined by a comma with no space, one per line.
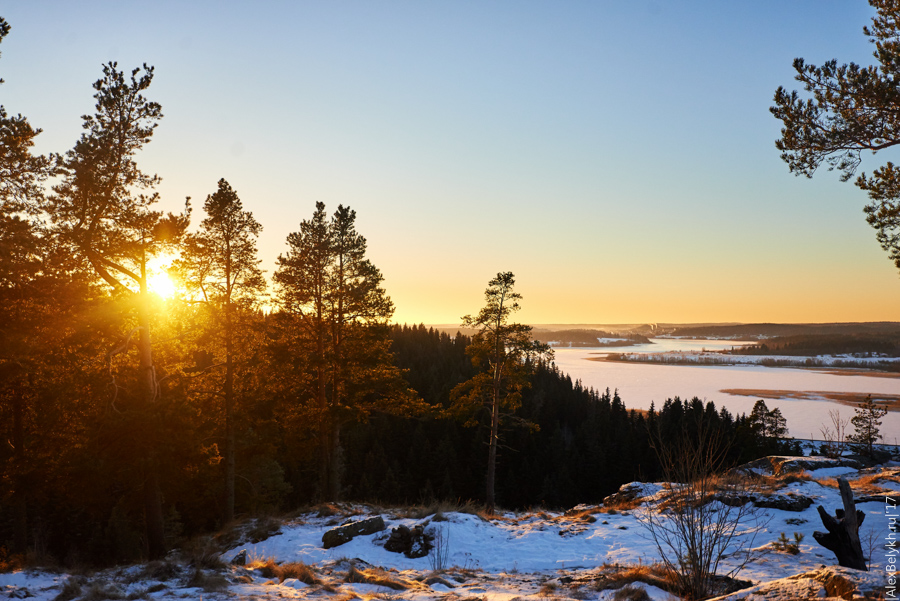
343,534
412,542
240,559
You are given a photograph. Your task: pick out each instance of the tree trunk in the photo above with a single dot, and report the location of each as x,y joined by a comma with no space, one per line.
20,499
842,537
337,464
492,449
229,416
153,516
322,402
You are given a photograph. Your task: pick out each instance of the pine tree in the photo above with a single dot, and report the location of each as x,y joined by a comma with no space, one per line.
342,312
103,209
851,110
505,353
220,268
867,426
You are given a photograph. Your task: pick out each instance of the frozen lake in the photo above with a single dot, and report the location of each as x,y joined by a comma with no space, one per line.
641,383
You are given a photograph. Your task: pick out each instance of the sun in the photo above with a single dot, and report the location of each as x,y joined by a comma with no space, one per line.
158,280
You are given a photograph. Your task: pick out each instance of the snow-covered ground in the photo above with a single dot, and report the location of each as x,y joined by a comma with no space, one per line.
537,554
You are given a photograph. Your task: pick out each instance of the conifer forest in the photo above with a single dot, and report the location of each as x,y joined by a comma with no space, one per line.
131,419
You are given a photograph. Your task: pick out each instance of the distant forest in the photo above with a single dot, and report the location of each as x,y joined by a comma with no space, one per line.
587,338
753,331
574,337
826,344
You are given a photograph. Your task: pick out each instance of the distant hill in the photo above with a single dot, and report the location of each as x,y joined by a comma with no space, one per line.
569,337
734,331
755,331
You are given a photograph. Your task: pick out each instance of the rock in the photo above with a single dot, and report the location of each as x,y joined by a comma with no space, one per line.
631,492
240,559
413,542
831,582
582,508
346,533
20,593
786,502
781,465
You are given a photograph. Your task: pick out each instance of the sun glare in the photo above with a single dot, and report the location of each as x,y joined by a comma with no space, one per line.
158,280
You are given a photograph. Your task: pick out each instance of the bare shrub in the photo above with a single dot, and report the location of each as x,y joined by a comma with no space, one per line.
100,591
70,590
834,435
693,530
440,551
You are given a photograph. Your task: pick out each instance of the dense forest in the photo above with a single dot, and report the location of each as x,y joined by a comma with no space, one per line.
132,419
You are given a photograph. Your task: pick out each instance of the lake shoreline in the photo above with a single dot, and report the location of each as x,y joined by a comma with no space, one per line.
703,361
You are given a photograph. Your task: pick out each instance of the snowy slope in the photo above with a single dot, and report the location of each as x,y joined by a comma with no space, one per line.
543,554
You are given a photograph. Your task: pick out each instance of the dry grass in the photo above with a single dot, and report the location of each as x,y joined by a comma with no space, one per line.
268,568
867,483
208,582
437,508
548,589
630,592
616,577
378,577
70,590
299,570
203,553
100,591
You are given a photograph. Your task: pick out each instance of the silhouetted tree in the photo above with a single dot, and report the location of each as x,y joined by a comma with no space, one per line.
866,425
505,352
221,270
342,313
102,208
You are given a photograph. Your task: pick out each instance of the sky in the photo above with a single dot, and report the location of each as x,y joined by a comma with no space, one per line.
618,157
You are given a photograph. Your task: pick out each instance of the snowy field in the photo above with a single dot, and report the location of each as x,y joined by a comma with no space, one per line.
539,555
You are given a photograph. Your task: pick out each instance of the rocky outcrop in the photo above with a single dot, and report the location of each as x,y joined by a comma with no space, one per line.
781,465
632,493
346,533
785,501
831,582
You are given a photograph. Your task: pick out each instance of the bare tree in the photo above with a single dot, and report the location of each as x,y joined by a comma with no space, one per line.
706,517
835,435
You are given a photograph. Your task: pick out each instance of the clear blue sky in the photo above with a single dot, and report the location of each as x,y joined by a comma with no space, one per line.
618,157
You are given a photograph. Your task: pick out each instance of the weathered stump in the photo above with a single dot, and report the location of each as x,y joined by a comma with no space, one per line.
842,537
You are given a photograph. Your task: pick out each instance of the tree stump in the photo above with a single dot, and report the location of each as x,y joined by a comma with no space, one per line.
842,537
